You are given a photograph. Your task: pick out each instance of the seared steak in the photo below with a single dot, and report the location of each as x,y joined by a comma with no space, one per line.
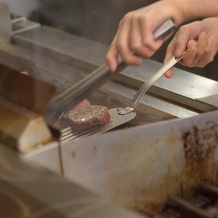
83,103
88,117
64,121
84,116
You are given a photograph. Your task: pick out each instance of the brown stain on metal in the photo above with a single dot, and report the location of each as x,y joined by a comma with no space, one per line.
198,146
199,152
142,199
150,208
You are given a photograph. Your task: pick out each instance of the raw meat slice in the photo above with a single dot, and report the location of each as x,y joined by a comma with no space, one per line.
88,117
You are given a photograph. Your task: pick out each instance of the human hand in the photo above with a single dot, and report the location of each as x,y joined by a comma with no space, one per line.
134,36
199,39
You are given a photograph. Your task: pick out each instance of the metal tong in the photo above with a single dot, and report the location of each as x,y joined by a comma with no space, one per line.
72,96
143,89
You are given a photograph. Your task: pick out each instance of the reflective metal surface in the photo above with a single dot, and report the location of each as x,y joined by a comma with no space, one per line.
141,167
116,165
25,91
31,191
23,100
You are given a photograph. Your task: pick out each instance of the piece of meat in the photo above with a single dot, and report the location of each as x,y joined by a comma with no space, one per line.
64,122
83,103
83,116
88,117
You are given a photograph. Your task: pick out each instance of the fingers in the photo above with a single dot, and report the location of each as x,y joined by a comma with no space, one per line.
169,73
201,45
169,54
134,38
179,43
111,57
200,53
194,52
141,40
121,44
192,38
191,56
208,55
123,40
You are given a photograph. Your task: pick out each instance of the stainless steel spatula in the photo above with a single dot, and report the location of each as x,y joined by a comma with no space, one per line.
144,88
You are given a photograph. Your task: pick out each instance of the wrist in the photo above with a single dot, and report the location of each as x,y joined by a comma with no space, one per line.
190,9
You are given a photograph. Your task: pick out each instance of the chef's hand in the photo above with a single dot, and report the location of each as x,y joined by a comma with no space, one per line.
200,41
135,32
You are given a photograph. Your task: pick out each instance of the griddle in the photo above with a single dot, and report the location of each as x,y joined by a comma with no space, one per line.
159,135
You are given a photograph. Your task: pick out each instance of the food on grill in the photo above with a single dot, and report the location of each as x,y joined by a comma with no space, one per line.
83,103
84,116
64,122
87,117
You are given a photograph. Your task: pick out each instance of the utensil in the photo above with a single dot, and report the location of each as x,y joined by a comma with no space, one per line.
120,116
72,96
116,120
144,88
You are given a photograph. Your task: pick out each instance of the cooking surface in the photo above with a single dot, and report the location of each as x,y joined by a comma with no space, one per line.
136,167
145,114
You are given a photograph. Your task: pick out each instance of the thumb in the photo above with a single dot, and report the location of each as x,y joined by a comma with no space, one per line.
169,73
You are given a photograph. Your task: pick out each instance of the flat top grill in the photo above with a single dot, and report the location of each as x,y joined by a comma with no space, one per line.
62,59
